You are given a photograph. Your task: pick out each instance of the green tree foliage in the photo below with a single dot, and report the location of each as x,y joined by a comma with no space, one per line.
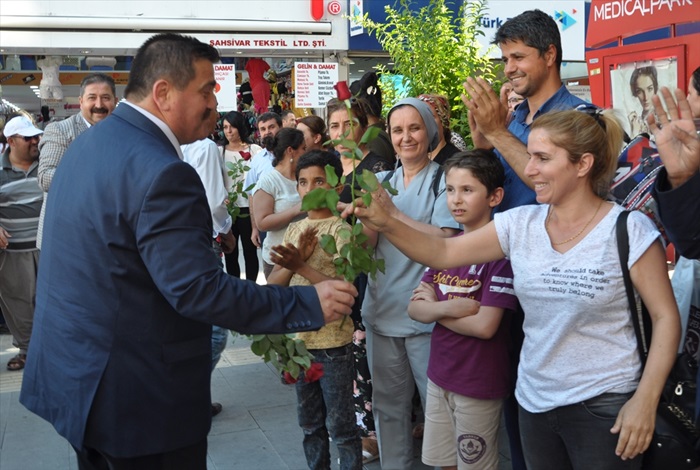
434,51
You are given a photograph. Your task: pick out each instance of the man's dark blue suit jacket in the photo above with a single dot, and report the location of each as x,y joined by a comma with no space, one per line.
128,287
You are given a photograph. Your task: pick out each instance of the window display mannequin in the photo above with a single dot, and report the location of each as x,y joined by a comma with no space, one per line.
256,69
50,86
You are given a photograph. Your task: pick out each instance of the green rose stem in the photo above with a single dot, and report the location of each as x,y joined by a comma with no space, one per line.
287,354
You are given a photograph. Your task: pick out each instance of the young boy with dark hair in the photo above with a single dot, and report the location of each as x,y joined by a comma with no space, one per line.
325,405
468,370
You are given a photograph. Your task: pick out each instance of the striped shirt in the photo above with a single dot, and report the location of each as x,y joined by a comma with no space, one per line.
20,204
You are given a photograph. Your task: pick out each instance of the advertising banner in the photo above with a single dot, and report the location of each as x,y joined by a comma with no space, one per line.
225,76
314,83
570,16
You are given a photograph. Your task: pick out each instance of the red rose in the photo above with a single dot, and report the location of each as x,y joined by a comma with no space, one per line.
314,372
288,378
342,90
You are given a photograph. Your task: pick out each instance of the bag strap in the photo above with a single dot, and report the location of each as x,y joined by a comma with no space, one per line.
435,184
388,176
640,320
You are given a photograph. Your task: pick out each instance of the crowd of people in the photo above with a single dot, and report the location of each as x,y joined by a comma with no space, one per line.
502,293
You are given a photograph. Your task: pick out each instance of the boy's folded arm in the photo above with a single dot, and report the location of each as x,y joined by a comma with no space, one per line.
426,311
483,325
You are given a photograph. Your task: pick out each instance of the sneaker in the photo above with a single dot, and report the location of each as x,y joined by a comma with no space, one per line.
370,450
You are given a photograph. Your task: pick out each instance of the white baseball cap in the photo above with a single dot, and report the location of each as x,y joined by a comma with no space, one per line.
21,125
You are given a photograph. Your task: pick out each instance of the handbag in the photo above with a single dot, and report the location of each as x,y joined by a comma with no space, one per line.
676,438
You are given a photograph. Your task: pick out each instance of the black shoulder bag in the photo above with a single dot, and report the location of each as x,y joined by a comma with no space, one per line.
676,438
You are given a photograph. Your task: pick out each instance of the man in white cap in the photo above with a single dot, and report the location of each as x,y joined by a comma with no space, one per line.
20,204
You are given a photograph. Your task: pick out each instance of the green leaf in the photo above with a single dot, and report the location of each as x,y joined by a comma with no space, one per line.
328,244
316,199
347,143
291,347
370,134
367,199
332,199
293,368
257,337
300,347
344,233
259,348
361,182
357,229
370,180
275,339
331,176
275,363
306,362
387,185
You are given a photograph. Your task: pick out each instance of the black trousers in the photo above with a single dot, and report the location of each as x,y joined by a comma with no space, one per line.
193,457
242,230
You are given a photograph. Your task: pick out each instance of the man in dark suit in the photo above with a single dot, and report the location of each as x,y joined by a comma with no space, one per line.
129,285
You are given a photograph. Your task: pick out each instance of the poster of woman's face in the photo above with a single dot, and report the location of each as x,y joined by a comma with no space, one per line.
634,84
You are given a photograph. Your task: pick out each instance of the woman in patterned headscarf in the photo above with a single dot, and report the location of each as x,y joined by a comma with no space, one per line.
441,112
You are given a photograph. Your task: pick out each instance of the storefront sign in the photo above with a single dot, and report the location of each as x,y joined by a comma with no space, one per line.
569,15
314,83
610,19
356,10
225,76
267,42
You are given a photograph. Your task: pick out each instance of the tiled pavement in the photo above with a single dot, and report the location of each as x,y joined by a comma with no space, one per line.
257,429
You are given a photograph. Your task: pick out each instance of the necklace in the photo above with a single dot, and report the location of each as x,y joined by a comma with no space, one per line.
549,215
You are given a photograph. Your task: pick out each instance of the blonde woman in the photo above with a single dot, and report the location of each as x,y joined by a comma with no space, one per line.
579,365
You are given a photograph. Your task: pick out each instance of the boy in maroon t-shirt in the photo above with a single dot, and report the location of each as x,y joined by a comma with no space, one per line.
469,366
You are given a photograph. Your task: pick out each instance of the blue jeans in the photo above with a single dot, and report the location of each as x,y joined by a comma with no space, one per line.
219,337
327,406
575,436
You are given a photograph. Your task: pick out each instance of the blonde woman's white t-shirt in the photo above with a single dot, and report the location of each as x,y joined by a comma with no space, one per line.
579,340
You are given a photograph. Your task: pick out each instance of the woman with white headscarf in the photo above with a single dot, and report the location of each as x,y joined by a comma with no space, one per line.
398,347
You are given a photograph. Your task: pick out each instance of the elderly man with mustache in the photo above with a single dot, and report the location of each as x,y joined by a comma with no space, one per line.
97,101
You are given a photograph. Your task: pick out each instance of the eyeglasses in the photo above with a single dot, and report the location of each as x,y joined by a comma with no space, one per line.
27,139
515,100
